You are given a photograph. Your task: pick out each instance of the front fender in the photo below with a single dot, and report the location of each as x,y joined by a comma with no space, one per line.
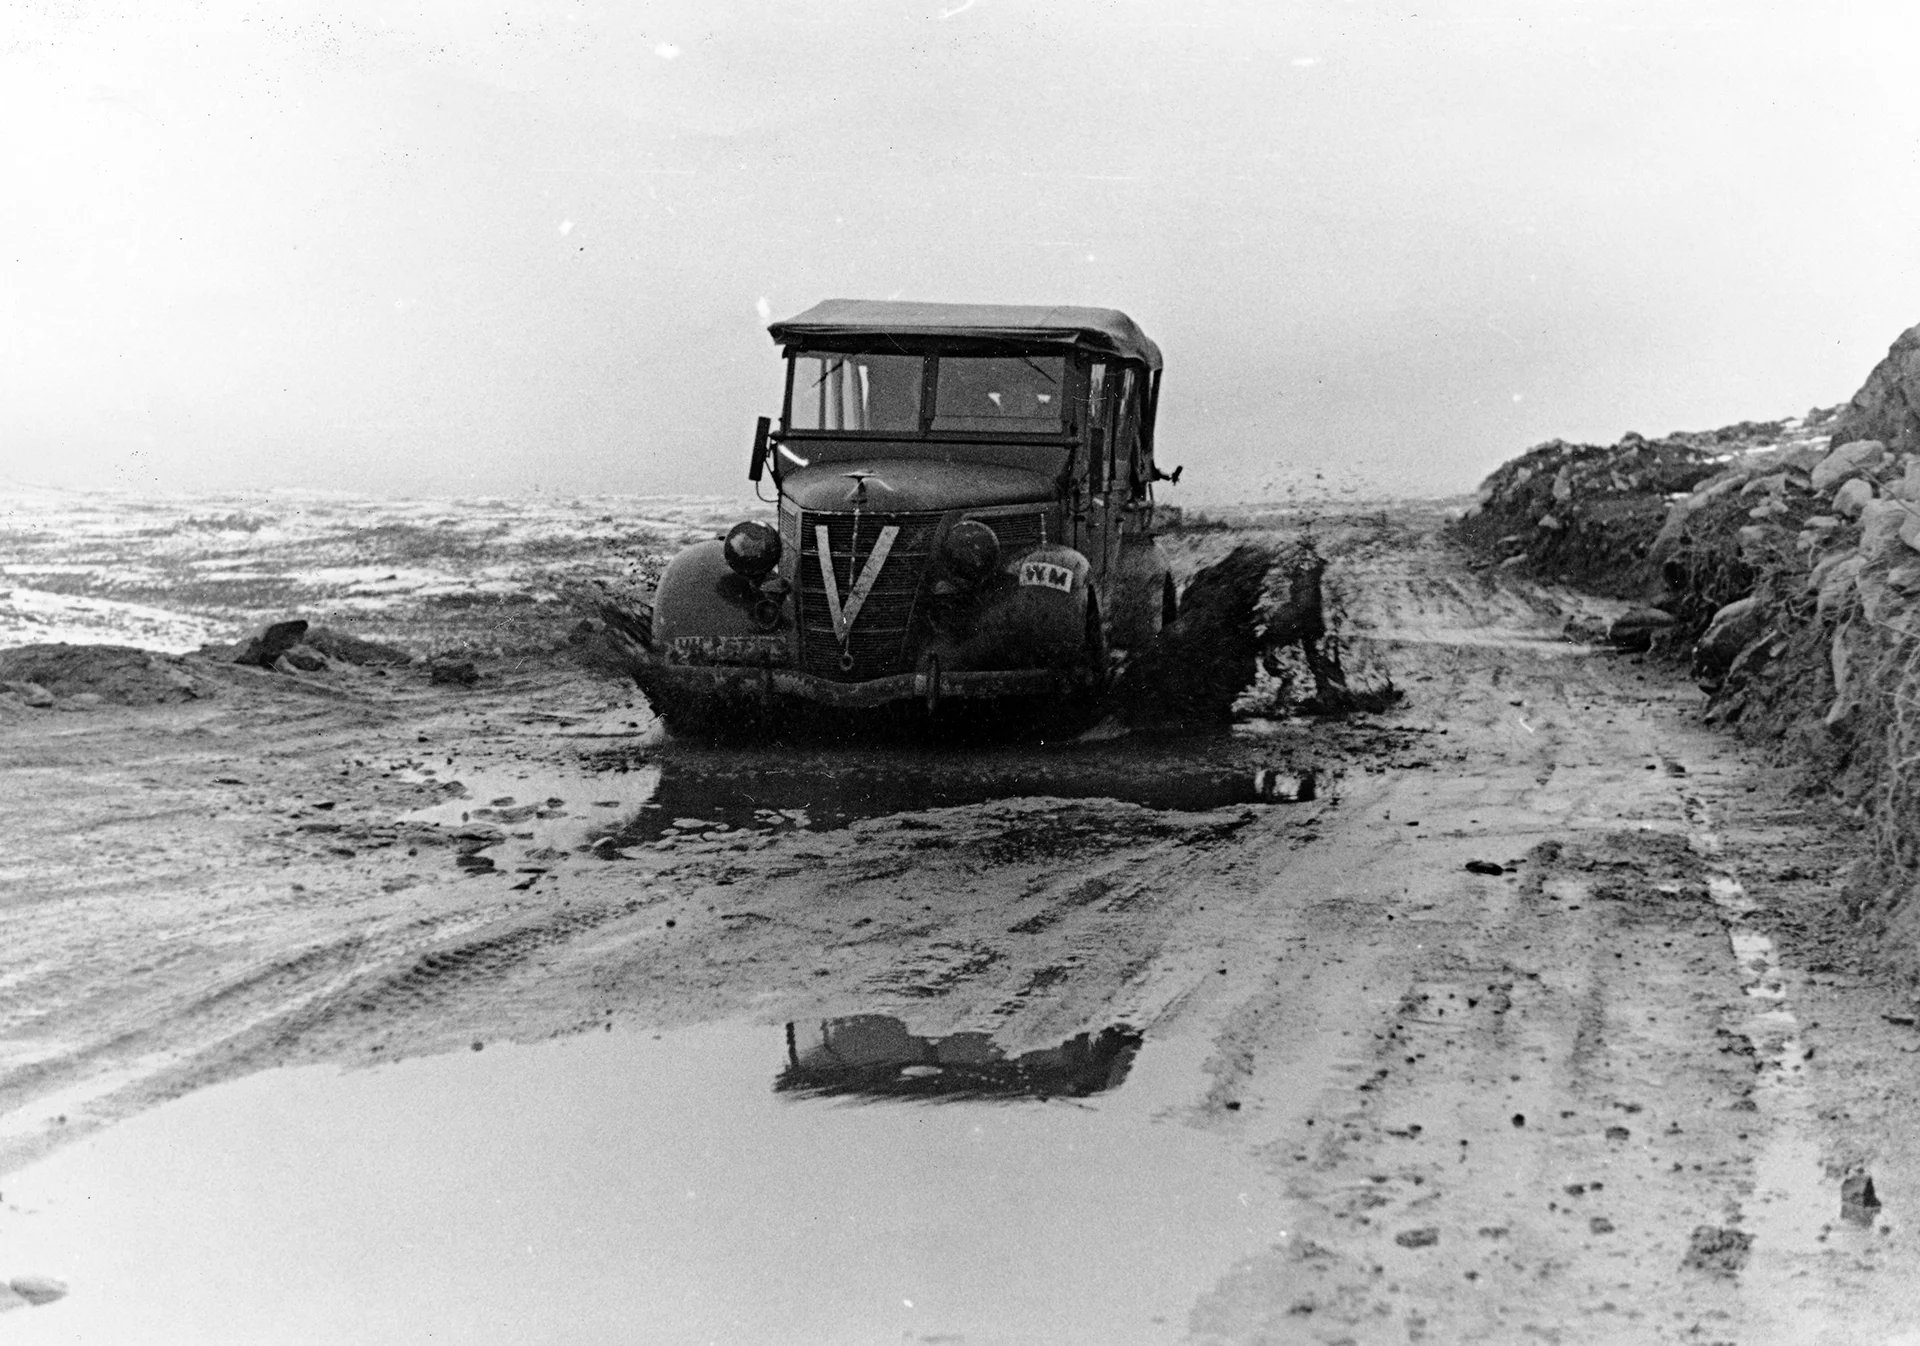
703,613
1034,615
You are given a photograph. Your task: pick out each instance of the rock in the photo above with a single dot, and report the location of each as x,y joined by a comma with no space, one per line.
83,701
1551,524
1837,586
1859,1204
1635,628
1717,1251
31,693
305,659
264,648
1417,1238
1772,484
1907,485
463,674
1905,578
38,1290
1910,531
1804,458
352,649
1732,629
1563,484
1887,407
1759,540
1840,660
1853,496
1881,525
1484,867
1846,461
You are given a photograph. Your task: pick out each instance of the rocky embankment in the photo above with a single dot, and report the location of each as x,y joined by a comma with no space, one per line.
1782,561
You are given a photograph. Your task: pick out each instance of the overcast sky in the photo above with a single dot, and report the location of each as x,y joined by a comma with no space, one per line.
469,247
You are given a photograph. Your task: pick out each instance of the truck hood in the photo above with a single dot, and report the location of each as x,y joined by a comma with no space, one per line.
904,485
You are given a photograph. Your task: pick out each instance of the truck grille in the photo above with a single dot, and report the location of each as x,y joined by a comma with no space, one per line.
878,639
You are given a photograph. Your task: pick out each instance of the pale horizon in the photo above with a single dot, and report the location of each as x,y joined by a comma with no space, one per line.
445,249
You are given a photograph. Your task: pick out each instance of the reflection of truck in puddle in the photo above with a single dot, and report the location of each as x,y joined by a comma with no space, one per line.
965,510
877,1056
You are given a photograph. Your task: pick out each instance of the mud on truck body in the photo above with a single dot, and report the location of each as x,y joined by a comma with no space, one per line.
965,497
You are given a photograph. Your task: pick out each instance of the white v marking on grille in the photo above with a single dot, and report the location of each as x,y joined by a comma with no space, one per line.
843,616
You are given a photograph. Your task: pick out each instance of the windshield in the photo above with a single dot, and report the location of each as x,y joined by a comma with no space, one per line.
885,394
1013,392
857,392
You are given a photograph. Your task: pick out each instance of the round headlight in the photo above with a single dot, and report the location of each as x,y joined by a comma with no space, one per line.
753,549
972,551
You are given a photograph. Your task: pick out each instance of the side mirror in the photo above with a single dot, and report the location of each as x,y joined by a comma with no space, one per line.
758,462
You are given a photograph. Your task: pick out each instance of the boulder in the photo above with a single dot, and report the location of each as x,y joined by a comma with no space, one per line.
1732,629
265,646
1852,497
1840,659
1906,486
1887,407
1635,628
1881,525
459,674
1846,461
1773,484
352,649
1836,587
30,693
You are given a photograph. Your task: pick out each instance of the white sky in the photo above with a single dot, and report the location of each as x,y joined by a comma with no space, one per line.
457,246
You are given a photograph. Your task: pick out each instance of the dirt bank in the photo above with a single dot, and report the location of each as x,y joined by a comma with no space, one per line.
1780,564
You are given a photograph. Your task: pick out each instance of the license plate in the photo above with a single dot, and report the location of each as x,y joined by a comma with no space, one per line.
1047,574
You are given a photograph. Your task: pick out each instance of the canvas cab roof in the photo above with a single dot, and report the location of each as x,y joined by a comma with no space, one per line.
850,324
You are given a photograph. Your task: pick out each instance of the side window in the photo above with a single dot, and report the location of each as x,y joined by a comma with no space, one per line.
1126,433
1099,423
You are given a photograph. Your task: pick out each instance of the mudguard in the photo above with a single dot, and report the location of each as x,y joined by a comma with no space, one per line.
1136,590
1033,616
703,614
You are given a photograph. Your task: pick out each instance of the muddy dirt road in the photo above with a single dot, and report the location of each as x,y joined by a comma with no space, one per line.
1528,1026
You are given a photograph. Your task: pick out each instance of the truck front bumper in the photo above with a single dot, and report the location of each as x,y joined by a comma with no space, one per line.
930,685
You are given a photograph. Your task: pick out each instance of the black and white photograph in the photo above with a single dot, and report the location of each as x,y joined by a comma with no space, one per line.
959,673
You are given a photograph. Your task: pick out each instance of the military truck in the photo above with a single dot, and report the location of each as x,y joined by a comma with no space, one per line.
964,497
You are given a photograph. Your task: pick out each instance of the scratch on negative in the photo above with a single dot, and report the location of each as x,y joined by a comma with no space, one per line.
957,9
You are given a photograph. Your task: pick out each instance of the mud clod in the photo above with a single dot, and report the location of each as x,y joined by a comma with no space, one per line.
1717,1250
1859,1203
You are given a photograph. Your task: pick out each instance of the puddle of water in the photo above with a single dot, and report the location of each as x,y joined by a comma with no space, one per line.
674,798
697,797
621,1187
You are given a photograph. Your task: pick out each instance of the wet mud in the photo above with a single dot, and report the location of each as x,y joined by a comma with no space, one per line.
358,1008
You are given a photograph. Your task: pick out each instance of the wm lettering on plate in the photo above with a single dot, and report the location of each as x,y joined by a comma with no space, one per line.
1048,574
